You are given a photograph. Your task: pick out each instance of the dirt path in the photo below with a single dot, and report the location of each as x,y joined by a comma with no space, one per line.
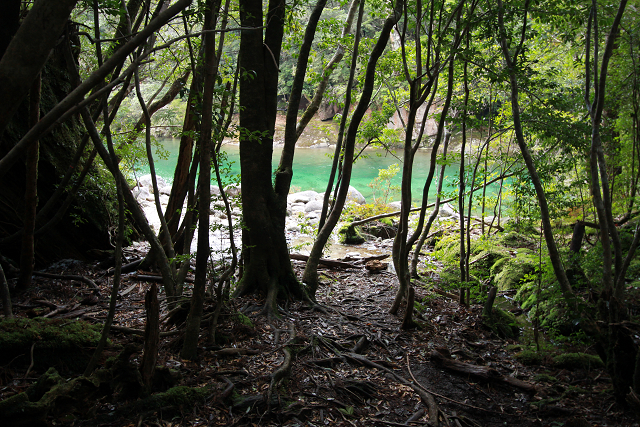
351,365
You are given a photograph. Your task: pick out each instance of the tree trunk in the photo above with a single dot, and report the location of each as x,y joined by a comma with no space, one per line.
311,270
267,268
190,346
5,295
28,51
151,337
27,254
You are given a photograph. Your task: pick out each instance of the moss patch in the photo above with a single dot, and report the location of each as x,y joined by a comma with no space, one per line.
513,239
577,361
244,320
502,323
57,342
174,398
350,235
528,357
513,270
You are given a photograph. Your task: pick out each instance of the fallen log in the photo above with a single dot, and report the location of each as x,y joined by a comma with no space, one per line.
154,278
326,262
83,279
483,372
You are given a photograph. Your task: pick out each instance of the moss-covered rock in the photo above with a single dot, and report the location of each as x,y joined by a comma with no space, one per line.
244,320
447,249
350,235
180,397
487,258
577,361
62,343
512,271
528,357
50,395
502,323
513,239
545,378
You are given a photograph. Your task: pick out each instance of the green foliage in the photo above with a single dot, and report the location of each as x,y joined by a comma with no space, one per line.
354,211
381,185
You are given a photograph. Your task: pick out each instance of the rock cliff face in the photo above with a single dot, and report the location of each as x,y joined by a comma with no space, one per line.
430,127
87,222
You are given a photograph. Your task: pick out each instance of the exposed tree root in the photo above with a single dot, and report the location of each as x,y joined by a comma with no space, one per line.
285,369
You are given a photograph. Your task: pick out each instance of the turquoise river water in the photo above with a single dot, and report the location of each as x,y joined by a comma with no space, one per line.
312,166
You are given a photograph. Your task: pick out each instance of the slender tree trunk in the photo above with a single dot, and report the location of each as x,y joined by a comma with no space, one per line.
151,337
311,269
554,254
5,295
311,278
190,346
434,213
120,186
31,194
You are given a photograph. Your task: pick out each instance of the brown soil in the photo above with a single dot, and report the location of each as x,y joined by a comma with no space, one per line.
352,365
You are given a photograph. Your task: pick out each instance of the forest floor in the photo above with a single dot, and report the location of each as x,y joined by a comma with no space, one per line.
351,365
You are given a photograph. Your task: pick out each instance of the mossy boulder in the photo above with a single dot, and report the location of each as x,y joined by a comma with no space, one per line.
243,320
509,273
513,239
502,323
61,343
529,357
577,361
350,235
179,397
51,395
447,249
487,258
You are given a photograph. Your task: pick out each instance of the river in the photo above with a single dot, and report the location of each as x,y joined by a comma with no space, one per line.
312,166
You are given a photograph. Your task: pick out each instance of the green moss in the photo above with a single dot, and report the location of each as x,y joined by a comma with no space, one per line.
447,249
529,357
577,361
515,270
56,342
545,378
488,258
241,318
387,221
526,294
502,323
350,235
513,239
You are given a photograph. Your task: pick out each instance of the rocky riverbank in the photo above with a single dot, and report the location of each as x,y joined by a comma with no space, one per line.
303,212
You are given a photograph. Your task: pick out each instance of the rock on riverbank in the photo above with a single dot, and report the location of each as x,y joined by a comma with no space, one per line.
303,209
